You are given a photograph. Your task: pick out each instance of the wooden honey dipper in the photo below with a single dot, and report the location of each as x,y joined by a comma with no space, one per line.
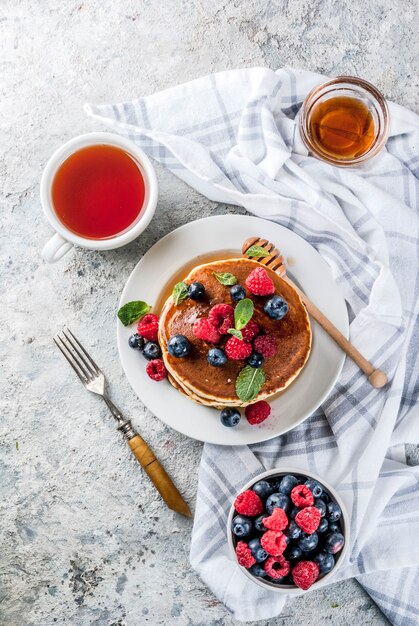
275,262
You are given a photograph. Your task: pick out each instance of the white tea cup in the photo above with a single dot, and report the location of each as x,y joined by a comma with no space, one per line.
64,239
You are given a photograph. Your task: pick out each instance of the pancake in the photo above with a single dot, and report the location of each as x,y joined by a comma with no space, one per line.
213,386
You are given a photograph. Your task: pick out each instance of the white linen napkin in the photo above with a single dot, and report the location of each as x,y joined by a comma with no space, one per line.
233,136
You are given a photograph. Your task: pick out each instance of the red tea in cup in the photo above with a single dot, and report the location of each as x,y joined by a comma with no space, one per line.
98,191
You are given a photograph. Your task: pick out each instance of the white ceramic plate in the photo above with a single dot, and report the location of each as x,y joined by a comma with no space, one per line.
215,235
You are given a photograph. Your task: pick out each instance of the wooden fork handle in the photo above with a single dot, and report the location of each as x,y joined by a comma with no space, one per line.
158,475
377,377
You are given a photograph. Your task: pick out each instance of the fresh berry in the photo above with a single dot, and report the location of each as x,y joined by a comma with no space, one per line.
258,523
288,483
230,417
276,308
179,346
237,350
241,526
321,505
196,291
255,360
315,487
325,562
257,551
334,512
293,553
277,521
237,292
333,543
216,357
258,412
325,497
265,345
294,512
250,331
257,570
156,369
259,283
274,542
152,351
277,500
204,329
277,567
244,556
248,503
293,531
136,342
334,527
323,526
305,573
262,488
222,317
302,496
307,543
308,519
148,327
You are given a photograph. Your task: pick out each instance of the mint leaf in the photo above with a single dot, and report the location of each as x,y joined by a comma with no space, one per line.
225,278
236,333
243,313
180,293
257,252
249,382
133,311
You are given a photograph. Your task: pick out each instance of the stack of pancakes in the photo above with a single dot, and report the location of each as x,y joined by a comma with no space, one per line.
215,386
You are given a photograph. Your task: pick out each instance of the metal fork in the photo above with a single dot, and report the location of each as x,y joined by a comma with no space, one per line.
94,380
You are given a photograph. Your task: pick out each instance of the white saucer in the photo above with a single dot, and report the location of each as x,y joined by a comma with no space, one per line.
214,235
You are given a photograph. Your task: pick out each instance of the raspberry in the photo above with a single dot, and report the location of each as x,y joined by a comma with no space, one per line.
204,329
277,521
222,316
156,369
305,573
265,345
236,349
148,326
248,503
258,412
302,496
308,519
250,331
244,555
259,283
271,566
274,542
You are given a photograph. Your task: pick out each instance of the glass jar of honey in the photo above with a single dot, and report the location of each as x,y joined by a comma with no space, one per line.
344,121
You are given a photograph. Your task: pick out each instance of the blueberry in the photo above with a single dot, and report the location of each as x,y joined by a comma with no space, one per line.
333,543
334,527
152,351
325,497
325,562
179,346
294,512
241,526
294,553
257,570
293,531
237,292
259,525
277,501
230,417
315,487
287,484
255,360
323,526
196,291
256,549
216,357
321,505
262,488
276,308
136,342
308,542
333,512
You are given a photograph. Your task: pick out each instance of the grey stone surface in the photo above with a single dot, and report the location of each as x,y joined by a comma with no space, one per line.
85,539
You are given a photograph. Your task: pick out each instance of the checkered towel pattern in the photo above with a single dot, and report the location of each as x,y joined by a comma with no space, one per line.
233,136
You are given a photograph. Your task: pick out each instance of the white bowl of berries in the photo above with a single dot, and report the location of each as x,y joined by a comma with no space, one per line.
288,530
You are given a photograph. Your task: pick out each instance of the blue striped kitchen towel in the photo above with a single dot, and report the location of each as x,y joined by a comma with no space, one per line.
234,137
